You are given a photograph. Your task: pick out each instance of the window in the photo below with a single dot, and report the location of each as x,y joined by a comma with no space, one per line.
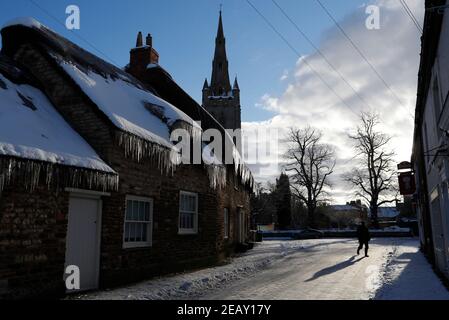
188,213
226,223
138,230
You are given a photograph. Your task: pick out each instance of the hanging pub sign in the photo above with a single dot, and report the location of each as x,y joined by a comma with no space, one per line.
405,165
407,185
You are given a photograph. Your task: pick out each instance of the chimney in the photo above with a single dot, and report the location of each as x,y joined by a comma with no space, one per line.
141,56
149,41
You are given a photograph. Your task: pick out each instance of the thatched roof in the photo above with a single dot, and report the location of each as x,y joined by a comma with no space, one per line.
37,145
143,122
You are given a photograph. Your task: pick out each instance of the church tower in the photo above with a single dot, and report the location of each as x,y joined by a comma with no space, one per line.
219,98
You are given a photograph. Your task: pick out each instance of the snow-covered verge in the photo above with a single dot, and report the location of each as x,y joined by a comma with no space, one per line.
199,283
407,275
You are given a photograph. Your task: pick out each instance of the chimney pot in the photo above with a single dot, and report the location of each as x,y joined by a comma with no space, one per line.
139,41
149,40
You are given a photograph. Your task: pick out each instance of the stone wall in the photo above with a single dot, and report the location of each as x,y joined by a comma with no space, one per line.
226,110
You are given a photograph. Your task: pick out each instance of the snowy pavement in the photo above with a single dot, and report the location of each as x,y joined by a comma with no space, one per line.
305,269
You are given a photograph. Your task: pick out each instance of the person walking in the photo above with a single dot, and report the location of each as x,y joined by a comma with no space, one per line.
364,237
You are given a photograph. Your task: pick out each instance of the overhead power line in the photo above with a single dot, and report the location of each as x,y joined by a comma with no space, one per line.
411,15
72,31
318,50
300,56
359,51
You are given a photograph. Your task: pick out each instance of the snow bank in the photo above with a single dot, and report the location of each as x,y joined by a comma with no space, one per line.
31,128
407,275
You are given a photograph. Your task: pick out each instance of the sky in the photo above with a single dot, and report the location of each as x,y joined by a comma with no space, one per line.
278,89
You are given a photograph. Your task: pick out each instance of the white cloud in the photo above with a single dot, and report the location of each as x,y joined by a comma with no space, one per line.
393,50
284,75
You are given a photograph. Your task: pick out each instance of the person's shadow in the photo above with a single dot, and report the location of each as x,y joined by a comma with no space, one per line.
335,268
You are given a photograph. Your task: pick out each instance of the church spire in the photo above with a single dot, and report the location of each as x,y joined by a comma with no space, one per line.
220,32
220,84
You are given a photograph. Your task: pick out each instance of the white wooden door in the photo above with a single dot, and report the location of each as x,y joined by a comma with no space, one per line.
83,239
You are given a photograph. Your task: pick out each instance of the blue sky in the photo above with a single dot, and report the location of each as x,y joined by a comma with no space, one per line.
184,35
184,32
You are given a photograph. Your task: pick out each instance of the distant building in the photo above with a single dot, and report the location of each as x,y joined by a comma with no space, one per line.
387,216
430,156
347,215
388,213
220,99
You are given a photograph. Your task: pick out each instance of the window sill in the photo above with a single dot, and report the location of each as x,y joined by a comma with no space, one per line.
137,245
187,233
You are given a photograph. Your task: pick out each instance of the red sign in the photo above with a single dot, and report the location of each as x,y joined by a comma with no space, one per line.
407,184
404,165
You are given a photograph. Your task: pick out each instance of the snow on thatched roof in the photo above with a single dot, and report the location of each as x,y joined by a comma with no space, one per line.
130,107
34,138
144,120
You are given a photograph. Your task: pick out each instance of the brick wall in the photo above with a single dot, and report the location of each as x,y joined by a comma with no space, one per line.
169,251
32,242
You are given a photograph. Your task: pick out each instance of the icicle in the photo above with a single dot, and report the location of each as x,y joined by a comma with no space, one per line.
30,173
217,176
137,148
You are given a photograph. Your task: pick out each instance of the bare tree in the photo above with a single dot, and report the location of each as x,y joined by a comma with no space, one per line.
309,162
374,175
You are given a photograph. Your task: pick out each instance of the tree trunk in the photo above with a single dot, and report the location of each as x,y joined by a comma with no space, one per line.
311,216
374,217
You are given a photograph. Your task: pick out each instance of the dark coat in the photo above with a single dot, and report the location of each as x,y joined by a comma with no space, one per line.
363,234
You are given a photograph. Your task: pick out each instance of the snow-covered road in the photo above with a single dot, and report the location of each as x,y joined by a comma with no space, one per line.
306,269
332,270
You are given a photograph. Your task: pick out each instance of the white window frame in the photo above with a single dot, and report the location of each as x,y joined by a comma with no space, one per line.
226,222
194,230
140,244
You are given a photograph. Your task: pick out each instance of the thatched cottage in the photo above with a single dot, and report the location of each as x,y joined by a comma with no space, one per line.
90,177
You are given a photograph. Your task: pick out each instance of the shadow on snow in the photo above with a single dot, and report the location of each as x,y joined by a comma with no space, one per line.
332,269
